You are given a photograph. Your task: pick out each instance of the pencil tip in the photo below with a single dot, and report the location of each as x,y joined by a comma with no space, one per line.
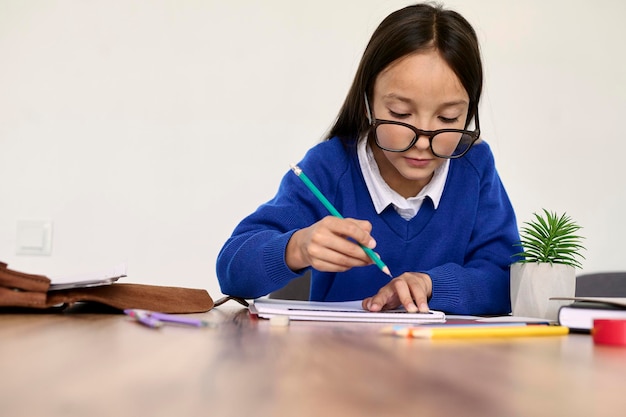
387,271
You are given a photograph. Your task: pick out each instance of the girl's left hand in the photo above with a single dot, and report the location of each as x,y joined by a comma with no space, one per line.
411,290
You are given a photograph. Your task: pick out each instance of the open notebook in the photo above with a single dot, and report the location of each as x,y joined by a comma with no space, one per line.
338,311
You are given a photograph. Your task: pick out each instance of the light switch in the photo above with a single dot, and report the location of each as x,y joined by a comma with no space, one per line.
34,237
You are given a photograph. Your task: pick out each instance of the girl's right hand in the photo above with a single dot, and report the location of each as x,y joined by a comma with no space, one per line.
329,245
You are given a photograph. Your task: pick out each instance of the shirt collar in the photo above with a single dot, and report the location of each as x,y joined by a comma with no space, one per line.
382,195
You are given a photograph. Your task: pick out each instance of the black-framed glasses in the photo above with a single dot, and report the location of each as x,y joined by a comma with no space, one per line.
396,136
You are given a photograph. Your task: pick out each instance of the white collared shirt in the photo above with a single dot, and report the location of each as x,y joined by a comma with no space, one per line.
381,193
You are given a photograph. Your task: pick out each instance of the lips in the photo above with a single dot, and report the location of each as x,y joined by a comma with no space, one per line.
417,163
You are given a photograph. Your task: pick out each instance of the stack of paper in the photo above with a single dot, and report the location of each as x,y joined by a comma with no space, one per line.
338,311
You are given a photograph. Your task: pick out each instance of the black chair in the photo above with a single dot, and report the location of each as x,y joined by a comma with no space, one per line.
601,284
296,289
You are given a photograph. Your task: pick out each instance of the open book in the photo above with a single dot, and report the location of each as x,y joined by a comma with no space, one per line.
338,311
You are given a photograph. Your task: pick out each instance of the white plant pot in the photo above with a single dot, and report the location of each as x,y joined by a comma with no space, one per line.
532,285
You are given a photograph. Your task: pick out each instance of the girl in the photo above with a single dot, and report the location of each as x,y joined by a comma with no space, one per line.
403,164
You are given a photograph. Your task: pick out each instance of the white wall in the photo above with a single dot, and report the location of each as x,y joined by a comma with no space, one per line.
145,130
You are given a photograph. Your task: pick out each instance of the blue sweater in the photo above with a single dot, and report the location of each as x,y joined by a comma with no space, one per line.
465,245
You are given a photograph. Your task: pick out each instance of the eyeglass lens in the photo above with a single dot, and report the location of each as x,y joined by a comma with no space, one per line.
399,138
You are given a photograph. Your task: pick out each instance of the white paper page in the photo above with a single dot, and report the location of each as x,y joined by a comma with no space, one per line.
338,311
94,279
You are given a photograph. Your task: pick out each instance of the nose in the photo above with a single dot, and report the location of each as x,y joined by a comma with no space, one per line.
422,143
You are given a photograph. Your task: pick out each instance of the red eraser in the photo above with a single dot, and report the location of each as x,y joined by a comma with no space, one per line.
609,332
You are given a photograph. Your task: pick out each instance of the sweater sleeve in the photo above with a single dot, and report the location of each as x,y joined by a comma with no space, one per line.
252,263
481,285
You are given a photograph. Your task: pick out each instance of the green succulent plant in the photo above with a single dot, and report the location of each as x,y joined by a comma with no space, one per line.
551,238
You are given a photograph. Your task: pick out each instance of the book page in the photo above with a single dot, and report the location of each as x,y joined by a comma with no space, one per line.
94,279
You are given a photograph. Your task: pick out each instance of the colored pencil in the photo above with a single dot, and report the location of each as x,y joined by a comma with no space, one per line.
373,255
479,331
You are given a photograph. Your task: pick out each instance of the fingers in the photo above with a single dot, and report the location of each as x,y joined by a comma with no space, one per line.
411,290
357,230
405,296
331,237
329,245
359,236
386,298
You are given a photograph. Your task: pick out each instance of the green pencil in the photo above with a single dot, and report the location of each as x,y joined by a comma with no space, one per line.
373,256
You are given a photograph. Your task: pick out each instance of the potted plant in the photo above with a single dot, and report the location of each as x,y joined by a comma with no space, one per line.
546,267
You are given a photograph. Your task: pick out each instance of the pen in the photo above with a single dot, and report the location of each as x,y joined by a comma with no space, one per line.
142,317
154,319
471,332
373,256
170,318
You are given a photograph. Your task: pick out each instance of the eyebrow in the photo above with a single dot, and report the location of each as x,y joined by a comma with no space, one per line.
407,100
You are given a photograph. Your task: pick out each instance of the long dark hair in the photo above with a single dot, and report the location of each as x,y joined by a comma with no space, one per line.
403,32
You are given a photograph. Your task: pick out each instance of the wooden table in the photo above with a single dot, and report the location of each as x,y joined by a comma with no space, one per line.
107,365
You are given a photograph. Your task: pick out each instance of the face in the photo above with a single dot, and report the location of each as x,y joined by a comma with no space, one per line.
422,90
